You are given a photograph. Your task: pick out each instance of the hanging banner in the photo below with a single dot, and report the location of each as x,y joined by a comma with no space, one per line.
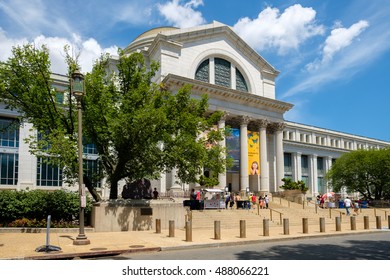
233,148
253,153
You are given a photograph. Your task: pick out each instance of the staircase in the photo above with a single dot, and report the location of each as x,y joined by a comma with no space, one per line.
280,209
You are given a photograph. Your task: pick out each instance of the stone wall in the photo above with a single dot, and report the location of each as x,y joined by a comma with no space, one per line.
136,215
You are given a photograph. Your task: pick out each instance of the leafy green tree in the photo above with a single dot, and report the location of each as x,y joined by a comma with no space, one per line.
364,171
139,128
289,184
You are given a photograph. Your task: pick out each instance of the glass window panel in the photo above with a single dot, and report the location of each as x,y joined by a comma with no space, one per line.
222,72
240,81
202,73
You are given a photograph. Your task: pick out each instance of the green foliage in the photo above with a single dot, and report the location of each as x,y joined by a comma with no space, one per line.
289,184
33,207
139,128
364,171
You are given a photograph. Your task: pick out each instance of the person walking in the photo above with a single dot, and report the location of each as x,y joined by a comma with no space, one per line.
347,204
356,207
266,201
227,199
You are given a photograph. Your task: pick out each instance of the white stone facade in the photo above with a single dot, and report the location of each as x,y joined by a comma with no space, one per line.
287,149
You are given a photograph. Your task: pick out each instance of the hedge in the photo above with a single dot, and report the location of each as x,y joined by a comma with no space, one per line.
31,208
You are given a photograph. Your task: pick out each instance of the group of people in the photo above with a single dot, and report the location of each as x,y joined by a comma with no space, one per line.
348,204
233,199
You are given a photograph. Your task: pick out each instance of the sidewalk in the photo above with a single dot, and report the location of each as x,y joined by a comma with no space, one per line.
18,246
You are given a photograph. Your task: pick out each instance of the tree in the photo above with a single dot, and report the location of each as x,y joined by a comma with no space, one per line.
364,171
26,86
139,128
289,184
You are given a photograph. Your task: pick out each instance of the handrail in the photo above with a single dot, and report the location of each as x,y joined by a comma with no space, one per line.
280,214
375,209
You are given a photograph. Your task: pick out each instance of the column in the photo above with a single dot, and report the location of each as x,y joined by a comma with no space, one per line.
244,177
314,174
279,154
222,176
264,172
212,71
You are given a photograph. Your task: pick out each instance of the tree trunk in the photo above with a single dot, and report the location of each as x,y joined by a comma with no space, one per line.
114,189
91,189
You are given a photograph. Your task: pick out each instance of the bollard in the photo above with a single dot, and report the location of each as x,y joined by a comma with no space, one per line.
366,222
338,224
171,228
378,222
353,222
322,224
266,227
217,230
188,231
242,229
286,226
158,226
305,225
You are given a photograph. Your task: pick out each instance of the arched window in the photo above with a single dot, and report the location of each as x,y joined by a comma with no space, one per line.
222,74
202,73
240,81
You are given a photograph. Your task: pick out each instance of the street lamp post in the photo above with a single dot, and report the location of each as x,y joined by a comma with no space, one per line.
77,89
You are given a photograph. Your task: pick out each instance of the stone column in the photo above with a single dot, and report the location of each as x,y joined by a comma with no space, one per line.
314,174
279,154
264,172
222,176
244,177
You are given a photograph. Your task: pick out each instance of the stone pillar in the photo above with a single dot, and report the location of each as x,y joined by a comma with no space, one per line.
279,154
313,174
264,172
222,176
244,177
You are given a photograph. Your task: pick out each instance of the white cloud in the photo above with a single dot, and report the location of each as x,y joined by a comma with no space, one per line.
89,50
285,31
182,15
341,38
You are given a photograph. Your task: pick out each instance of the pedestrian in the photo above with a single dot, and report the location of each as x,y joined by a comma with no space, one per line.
254,200
231,199
227,199
347,204
261,202
356,207
193,195
266,201
155,193
249,201
322,201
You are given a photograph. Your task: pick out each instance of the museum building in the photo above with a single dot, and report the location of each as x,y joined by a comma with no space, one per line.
213,59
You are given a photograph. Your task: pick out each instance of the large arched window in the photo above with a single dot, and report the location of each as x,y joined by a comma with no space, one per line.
224,74
202,73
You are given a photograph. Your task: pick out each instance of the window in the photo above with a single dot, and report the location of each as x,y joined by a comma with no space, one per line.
222,74
287,163
9,133
240,82
305,164
9,169
48,175
92,171
320,166
202,73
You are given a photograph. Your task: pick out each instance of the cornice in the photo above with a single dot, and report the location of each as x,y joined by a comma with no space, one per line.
220,92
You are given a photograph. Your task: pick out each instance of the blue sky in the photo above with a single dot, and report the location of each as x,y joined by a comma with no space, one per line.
333,55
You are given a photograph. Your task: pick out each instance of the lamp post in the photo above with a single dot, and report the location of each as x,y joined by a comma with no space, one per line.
77,89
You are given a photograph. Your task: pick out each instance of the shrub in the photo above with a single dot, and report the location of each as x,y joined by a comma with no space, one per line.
291,185
31,208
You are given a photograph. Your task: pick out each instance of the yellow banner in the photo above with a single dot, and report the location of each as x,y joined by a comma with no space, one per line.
253,153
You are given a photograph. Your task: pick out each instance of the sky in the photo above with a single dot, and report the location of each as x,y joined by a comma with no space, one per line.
333,56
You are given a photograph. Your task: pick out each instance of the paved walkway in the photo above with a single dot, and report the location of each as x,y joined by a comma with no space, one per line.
23,245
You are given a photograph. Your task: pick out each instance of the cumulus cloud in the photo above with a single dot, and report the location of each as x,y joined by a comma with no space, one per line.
180,15
339,39
283,31
88,50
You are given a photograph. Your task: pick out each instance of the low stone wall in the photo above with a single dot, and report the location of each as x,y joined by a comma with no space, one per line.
131,215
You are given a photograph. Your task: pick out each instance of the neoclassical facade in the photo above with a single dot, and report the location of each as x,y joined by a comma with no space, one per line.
238,81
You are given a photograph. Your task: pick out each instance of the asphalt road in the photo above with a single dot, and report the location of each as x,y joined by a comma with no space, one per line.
368,246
